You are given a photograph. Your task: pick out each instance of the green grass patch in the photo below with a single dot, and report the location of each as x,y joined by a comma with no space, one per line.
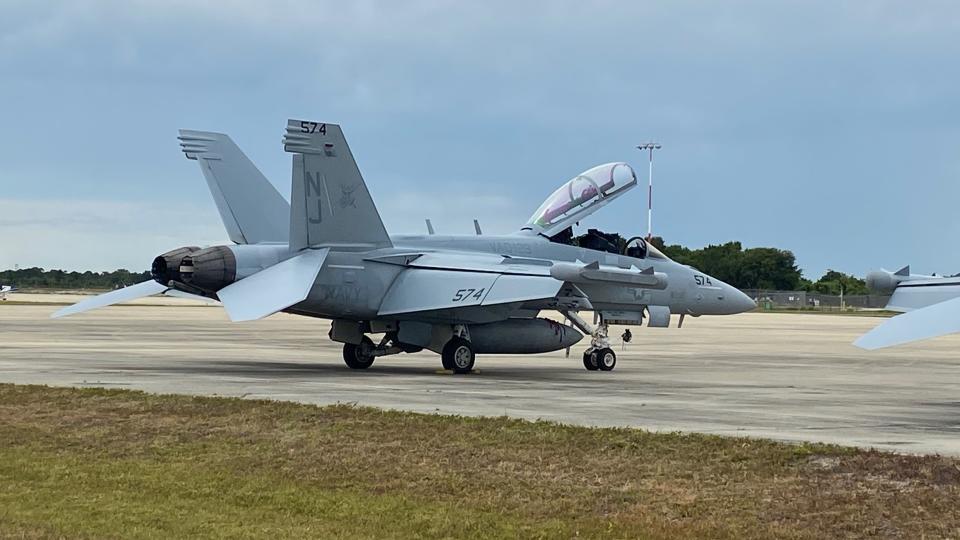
114,463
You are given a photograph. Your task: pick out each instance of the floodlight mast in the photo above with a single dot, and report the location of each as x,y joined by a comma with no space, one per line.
650,146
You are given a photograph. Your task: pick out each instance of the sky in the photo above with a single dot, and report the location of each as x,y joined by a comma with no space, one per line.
828,128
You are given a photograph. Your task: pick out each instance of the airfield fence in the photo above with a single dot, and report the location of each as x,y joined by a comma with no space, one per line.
803,300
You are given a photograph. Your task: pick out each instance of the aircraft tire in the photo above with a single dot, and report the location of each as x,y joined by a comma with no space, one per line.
358,356
458,354
590,360
606,359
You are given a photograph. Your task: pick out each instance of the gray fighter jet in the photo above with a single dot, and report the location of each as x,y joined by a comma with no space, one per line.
328,255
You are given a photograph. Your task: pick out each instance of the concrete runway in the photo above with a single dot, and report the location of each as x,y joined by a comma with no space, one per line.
781,376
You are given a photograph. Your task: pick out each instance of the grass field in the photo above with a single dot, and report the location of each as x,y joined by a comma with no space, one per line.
95,463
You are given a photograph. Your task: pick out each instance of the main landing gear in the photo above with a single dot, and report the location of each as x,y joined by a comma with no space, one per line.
359,356
457,355
599,355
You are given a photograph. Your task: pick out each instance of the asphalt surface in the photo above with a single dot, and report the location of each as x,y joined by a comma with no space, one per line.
782,376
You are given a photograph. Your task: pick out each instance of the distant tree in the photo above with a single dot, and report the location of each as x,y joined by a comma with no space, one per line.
804,284
832,282
753,268
769,268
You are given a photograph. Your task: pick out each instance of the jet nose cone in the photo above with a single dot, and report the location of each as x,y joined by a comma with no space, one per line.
738,302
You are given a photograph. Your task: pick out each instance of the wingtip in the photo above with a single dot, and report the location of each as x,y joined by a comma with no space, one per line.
60,313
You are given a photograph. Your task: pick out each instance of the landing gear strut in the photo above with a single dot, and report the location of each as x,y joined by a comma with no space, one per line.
599,355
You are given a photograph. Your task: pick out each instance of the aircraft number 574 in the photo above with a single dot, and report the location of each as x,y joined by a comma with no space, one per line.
313,127
466,294
702,280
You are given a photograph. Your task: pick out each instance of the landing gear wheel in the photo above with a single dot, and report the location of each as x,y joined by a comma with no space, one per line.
590,360
359,356
447,364
458,354
606,359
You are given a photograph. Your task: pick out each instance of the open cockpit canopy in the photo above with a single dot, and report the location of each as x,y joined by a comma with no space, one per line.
583,195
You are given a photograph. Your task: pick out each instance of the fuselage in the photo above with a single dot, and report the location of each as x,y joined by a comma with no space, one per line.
351,286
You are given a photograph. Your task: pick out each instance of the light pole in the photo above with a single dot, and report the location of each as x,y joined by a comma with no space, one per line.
650,146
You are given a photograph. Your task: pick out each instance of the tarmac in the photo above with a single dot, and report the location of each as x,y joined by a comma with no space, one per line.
791,377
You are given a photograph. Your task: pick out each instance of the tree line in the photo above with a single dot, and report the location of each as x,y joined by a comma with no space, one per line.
25,278
759,268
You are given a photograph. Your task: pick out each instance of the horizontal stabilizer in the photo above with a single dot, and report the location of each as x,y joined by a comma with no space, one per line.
126,294
252,210
273,289
936,320
329,201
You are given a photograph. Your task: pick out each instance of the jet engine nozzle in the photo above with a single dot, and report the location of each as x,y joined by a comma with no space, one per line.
167,267
883,282
210,269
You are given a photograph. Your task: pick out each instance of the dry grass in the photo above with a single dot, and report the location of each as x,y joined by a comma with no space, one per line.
101,463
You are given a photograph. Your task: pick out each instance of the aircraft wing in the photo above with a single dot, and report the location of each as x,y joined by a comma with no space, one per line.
931,321
920,293
450,280
426,289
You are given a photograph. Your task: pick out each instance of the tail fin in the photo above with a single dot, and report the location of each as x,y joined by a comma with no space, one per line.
330,204
252,210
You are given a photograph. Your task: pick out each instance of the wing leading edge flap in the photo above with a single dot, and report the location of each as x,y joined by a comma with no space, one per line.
274,288
420,289
936,320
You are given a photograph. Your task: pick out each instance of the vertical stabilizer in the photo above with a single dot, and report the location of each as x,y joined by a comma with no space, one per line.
329,202
252,210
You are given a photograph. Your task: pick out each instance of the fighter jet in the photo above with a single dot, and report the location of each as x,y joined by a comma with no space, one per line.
930,307
328,255
4,289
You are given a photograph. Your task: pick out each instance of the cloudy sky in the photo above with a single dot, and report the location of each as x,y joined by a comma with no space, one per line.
828,128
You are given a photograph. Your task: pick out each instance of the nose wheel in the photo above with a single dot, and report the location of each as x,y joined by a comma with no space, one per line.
599,356
603,359
590,360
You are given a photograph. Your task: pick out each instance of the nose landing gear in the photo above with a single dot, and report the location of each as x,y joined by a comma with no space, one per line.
599,356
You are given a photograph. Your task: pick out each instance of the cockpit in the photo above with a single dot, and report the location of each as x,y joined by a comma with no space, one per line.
581,196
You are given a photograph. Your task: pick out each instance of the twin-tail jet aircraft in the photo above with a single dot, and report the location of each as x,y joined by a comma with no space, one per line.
930,307
328,255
